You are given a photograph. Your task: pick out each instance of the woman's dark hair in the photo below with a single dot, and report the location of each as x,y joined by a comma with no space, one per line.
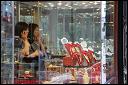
32,27
20,27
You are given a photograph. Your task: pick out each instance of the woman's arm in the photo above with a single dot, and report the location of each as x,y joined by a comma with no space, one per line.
34,54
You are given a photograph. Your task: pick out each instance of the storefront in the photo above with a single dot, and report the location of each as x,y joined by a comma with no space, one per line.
81,38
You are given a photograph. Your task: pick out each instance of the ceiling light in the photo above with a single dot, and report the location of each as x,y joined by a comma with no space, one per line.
52,5
49,3
45,6
90,2
27,10
83,3
95,3
97,9
34,5
59,3
67,5
75,4
70,7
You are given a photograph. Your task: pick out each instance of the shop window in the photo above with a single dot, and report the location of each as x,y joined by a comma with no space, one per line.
79,36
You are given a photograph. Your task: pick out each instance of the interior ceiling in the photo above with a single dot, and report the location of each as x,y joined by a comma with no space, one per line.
27,8
64,4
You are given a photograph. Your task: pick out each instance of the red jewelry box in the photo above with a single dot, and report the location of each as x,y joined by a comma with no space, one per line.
68,61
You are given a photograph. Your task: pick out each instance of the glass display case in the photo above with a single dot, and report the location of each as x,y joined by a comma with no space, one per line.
87,55
7,42
92,22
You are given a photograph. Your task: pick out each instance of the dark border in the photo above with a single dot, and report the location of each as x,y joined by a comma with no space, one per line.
120,43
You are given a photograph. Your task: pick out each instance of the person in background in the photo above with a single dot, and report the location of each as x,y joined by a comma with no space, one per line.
37,46
35,39
22,42
22,30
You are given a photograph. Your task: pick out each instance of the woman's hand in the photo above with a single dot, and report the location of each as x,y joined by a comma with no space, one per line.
34,54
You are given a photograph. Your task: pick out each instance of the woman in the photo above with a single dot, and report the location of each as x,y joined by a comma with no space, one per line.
22,30
37,45
36,39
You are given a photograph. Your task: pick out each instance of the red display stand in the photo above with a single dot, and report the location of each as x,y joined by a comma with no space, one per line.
77,55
